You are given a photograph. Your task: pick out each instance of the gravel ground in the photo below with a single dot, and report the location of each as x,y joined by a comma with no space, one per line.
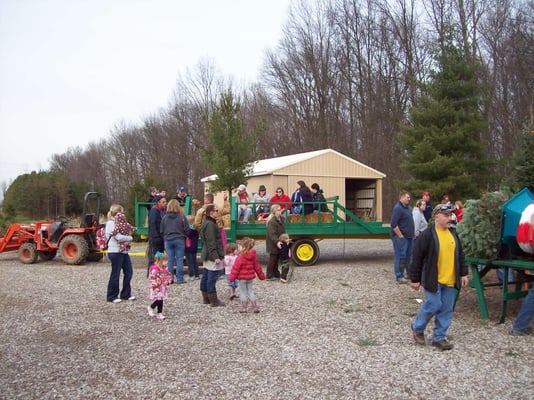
339,330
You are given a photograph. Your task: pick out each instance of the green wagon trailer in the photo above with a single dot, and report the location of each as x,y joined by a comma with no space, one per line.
306,231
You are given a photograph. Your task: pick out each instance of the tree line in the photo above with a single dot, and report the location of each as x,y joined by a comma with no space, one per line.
348,75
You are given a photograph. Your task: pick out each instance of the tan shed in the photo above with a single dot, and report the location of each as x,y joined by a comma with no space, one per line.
358,186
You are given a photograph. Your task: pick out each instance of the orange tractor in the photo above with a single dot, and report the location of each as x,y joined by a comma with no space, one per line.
45,239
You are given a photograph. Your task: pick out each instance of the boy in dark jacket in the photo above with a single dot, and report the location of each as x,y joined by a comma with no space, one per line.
285,256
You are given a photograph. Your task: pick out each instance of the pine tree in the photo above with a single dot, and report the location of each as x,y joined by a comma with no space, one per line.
523,163
442,146
230,149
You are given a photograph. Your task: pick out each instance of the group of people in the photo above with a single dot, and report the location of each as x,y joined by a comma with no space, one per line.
427,249
304,200
173,235
408,225
431,255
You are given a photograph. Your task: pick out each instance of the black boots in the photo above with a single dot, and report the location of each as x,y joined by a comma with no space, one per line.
205,298
214,300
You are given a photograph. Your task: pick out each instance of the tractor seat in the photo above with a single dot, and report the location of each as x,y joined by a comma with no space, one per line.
89,221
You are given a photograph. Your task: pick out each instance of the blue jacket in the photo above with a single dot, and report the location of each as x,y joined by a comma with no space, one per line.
402,217
154,223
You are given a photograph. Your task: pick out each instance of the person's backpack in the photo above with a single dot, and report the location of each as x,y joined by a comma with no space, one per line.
101,240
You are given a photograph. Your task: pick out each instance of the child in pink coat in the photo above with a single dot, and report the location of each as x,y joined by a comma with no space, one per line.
158,279
246,267
229,259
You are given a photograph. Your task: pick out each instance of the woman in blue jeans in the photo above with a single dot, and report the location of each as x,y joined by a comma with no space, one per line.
212,256
174,229
526,314
120,260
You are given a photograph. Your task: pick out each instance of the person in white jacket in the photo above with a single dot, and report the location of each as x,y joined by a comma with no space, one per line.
419,219
120,260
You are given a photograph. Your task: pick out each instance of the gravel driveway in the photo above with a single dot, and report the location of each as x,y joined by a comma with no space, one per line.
340,330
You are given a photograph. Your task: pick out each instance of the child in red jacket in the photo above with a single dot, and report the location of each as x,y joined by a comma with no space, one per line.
246,267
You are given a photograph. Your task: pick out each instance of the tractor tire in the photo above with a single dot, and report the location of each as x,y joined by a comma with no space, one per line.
47,255
305,252
73,249
28,253
95,256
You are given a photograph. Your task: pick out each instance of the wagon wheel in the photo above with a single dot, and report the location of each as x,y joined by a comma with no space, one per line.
28,253
47,255
73,249
305,252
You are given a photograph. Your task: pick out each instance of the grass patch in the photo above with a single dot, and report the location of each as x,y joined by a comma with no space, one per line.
367,342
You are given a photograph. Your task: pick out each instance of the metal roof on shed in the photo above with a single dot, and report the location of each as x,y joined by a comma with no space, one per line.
270,165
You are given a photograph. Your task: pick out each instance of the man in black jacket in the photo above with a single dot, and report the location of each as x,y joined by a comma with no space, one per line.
438,265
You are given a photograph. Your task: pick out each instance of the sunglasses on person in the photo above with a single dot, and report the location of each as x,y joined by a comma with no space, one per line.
444,208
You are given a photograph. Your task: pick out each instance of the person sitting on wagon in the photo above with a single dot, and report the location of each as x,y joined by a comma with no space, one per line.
302,198
261,200
318,198
281,199
243,207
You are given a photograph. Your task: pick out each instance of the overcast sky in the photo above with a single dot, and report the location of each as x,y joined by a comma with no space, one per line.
72,69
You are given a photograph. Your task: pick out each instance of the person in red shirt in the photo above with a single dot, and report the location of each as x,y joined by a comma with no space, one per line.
281,198
458,210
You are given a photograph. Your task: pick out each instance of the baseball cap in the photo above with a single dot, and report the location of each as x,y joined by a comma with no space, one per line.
443,209
241,188
425,194
157,198
181,188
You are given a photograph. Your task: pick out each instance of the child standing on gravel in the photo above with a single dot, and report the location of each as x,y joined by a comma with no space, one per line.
228,262
285,256
158,280
246,267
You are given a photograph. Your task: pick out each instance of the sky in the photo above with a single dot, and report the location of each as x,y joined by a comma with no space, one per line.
71,70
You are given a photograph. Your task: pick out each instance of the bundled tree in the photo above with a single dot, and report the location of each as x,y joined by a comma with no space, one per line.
479,230
442,150
230,149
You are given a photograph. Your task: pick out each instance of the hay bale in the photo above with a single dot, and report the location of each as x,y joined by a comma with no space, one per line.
310,217
327,217
292,218
314,218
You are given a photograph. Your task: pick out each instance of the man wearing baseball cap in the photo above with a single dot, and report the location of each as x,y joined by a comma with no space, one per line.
428,209
438,264
181,195
242,200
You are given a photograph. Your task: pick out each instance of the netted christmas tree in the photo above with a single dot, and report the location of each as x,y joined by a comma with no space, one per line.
480,229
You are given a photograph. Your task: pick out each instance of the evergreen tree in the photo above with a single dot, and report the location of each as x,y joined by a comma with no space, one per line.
523,163
230,150
442,147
